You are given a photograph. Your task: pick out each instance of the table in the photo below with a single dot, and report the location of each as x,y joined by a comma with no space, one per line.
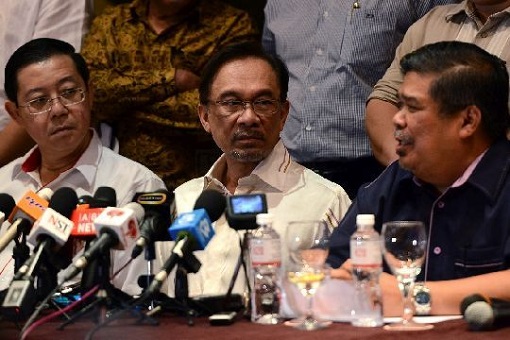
176,327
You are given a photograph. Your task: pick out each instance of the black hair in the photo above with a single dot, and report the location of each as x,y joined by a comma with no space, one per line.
35,51
467,75
242,51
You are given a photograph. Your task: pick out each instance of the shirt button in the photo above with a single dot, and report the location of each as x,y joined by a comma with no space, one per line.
440,204
326,14
308,127
312,88
437,250
319,51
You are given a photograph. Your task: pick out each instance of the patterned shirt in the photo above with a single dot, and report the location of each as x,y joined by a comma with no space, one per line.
335,52
132,71
443,23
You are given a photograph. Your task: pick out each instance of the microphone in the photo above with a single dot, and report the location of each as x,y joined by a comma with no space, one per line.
28,209
118,229
7,203
196,224
157,216
484,313
192,231
50,232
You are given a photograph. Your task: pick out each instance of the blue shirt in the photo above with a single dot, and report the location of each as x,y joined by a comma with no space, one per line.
335,54
468,225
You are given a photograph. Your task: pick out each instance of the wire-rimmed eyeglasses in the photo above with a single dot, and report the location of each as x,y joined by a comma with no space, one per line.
44,104
262,107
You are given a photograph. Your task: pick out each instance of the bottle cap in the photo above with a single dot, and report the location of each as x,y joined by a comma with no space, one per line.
266,218
364,219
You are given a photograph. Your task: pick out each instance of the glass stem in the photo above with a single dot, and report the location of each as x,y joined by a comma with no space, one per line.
405,287
309,306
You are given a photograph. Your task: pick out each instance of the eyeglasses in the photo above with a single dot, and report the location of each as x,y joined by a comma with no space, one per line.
262,107
44,104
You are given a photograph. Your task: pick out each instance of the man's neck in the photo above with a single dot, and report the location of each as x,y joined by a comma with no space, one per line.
53,165
161,17
485,11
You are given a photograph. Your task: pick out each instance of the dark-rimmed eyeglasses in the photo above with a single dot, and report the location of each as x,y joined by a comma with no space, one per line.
44,104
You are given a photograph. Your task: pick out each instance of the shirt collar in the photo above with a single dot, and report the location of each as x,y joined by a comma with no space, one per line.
487,172
86,164
273,171
467,8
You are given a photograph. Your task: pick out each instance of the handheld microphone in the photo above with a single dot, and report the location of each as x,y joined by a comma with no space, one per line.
51,231
28,209
157,216
484,313
192,231
196,224
7,203
118,229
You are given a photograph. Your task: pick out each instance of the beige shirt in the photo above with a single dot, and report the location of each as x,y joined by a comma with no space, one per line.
444,23
293,192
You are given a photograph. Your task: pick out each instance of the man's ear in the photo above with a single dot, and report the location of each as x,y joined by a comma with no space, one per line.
203,114
13,111
471,121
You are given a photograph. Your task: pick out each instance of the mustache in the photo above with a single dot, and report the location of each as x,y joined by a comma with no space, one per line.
242,134
402,137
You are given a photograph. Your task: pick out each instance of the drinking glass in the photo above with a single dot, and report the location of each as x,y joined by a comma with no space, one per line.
405,248
308,245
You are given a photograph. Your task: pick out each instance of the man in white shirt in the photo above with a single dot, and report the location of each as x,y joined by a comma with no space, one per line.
22,21
47,85
243,104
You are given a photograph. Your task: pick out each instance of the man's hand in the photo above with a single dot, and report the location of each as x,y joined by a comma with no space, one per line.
186,80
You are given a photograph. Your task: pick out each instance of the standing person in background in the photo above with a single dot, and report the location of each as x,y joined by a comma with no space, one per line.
22,21
146,58
335,52
481,22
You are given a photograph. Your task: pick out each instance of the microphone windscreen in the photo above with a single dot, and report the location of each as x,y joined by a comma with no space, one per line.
213,202
468,300
105,197
7,203
64,201
45,193
479,315
137,209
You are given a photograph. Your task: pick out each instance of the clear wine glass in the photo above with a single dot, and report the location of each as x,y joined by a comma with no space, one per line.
405,248
308,245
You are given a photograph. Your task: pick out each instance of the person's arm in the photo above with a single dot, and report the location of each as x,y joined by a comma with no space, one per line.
14,142
379,125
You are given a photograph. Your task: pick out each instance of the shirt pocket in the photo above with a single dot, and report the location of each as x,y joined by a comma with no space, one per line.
470,262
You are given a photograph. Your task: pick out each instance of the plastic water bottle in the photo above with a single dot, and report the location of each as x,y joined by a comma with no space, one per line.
265,256
366,257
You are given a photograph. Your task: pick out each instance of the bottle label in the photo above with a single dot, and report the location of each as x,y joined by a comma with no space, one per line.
367,254
265,252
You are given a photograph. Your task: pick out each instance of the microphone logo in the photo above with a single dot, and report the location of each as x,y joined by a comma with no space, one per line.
131,231
115,213
204,229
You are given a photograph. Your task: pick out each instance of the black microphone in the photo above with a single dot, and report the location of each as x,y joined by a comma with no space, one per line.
483,313
192,231
157,217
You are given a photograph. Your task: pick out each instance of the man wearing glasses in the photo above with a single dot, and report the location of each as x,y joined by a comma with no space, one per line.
46,83
243,105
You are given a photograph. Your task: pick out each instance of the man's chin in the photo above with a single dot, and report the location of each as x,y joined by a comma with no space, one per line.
247,156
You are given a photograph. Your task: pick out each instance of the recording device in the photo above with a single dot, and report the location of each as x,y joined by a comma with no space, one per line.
28,209
50,232
242,210
483,313
157,216
117,229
